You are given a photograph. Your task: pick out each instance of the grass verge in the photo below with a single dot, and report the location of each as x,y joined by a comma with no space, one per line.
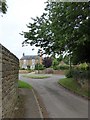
36,76
22,84
72,85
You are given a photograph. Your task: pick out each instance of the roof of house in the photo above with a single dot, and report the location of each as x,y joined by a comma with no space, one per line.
29,57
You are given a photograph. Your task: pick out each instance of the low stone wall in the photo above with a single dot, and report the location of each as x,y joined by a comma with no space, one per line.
23,71
9,65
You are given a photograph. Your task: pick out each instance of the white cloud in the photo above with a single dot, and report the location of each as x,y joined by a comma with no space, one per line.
19,14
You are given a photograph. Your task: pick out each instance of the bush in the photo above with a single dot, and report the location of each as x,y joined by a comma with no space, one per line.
39,67
82,77
82,66
64,67
81,74
22,69
55,64
78,74
61,67
28,67
56,67
47,62
69,74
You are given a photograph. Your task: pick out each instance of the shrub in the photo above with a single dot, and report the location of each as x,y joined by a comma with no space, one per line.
22,68
82,66
55,64
69,74
61,67
64,67
81,74
28,67
39,67
47,62
56,67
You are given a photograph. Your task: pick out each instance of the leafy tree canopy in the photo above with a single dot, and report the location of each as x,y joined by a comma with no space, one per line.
47,62
64,27
3,6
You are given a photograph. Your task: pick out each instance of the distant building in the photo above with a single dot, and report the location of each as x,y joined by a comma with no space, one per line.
62,63
29,61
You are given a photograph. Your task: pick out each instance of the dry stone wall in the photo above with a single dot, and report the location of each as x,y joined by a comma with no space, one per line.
0,81
9,65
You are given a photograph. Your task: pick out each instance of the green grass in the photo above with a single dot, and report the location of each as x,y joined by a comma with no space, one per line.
36,76
22,84
72,85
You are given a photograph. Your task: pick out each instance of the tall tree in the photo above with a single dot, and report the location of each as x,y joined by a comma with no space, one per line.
3,6
64,27
47,62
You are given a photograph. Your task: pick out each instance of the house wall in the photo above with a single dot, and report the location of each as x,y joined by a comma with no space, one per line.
20,63
29,62
9,64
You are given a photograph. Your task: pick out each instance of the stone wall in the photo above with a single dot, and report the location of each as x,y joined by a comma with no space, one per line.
9,65
0,82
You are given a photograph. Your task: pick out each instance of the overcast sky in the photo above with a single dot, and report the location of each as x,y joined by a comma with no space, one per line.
14,22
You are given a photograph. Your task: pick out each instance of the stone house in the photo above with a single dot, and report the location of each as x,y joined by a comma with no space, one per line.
29,61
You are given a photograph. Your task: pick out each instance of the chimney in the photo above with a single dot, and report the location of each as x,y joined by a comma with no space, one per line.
23,54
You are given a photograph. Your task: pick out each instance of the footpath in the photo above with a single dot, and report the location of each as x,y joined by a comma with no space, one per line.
30,105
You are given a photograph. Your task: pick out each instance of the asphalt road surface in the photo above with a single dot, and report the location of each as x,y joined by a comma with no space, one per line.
60,103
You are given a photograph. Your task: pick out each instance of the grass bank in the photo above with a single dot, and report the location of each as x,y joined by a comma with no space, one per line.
72,85
37,76
22,84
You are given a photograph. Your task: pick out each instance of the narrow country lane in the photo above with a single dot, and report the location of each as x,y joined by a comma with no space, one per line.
59,102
